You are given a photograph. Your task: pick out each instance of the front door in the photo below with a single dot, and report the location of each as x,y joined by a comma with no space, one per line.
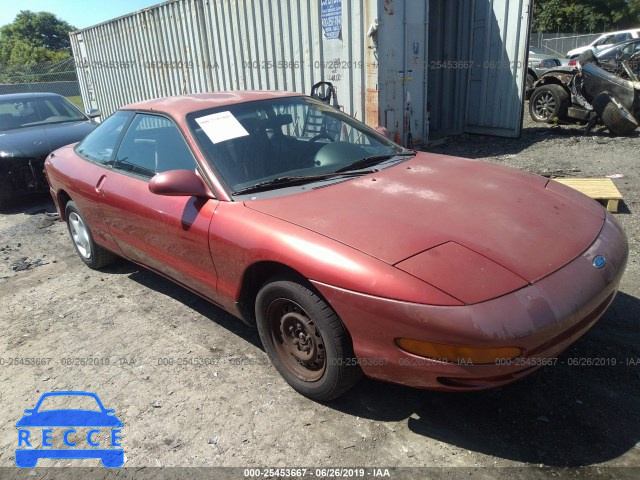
167,234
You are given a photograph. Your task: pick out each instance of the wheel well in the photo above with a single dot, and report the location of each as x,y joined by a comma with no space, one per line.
551,80
532,73
63,199
254,277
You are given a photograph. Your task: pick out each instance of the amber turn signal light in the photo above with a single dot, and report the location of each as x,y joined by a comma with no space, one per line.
458,354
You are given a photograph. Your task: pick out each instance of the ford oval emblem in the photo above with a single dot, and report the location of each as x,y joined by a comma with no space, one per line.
599,262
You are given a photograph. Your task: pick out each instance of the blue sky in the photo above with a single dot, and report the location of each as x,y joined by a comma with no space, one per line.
79,13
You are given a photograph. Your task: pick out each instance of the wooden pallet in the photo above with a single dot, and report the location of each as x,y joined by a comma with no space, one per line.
600,189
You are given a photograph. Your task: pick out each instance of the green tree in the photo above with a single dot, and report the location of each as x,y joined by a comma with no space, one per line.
634,11
33,38
585,16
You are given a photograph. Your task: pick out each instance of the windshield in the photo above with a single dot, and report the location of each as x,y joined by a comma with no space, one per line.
32,110
257,142
603,41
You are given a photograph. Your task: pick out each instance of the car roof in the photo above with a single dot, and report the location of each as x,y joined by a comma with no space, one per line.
21,96
183,104
631,30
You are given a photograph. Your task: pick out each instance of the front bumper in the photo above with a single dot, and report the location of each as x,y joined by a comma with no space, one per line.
22,176
542,319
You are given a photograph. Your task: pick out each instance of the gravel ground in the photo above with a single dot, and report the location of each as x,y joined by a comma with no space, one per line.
193,386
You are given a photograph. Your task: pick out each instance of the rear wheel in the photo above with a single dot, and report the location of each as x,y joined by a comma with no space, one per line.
549,103
93,255
305,340
616,118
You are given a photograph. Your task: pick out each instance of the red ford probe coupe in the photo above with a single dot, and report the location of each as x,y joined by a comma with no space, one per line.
349,253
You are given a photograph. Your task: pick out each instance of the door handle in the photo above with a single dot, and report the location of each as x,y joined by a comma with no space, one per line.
99,185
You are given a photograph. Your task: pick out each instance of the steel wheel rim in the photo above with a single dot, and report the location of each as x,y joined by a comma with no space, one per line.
296,339
80,235
545,105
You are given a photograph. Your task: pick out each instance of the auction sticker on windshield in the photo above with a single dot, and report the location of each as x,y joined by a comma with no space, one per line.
221,126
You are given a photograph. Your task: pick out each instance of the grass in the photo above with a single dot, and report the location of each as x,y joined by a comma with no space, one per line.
77,101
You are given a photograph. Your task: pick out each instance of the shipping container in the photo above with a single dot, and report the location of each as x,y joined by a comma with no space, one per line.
422,69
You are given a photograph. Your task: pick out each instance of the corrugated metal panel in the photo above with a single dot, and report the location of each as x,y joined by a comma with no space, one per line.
403,57
449,58
190,46
499,49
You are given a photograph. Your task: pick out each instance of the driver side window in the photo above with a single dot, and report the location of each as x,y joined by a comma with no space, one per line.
153,144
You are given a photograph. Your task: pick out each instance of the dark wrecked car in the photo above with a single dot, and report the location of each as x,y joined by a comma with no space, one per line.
591,93
32,125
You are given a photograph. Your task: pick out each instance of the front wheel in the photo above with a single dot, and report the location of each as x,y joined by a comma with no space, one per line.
305,340
549,103
93,255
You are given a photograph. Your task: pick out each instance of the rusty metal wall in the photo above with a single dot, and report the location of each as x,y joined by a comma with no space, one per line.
189,46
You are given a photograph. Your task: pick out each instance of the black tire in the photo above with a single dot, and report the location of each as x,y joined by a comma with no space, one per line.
530,81
587,57
94,256
614,115
548,103
316,356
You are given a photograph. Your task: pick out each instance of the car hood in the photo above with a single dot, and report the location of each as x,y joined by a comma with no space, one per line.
69,418
521,221
61,134
39,141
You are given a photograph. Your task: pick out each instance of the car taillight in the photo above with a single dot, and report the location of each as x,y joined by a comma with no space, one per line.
573,63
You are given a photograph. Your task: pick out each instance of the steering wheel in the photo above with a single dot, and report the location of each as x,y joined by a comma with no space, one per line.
322,135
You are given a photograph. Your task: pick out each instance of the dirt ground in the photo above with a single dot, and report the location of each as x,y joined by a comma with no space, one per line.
193,386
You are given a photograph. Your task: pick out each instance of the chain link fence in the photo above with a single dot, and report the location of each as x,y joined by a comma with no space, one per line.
55,77
558,44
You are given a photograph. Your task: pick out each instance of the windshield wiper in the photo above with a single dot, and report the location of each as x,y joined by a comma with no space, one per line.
289,181
370,161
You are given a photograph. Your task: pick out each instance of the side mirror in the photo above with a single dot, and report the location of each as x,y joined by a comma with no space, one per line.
94,113
179,183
